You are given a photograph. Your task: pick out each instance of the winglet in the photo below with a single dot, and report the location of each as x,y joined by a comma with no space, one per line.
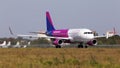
10,31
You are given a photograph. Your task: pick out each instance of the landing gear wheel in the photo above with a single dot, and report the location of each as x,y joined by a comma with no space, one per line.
58,46
80,46
86,46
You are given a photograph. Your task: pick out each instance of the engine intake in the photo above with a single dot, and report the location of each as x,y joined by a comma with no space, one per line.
57,42
91,43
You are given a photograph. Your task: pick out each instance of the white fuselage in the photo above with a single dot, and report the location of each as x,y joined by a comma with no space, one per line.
80,35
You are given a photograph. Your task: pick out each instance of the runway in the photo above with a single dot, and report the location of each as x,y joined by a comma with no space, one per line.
75,46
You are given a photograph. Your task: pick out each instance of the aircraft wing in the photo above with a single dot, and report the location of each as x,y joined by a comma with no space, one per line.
100,36
65,38
108,34
31,36
39,32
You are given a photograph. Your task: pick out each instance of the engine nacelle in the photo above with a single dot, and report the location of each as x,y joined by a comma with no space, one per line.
92,43
58,42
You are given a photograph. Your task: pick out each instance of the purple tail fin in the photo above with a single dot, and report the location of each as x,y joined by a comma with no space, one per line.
49,22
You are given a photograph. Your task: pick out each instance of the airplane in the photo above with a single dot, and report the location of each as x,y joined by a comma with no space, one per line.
111,33
20,46
83,36
24,46
3,44
9,43
17,45
7,46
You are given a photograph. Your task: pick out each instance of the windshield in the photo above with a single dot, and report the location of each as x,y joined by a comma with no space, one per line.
88,32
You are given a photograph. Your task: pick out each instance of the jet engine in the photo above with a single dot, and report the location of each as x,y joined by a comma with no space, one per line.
92,43
58,42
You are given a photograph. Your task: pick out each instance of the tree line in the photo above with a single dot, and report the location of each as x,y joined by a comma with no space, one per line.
110,41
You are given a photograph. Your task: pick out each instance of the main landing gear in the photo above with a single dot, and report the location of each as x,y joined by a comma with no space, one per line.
58,46
81,45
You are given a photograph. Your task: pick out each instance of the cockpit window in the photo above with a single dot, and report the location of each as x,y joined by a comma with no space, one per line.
88,32
85,32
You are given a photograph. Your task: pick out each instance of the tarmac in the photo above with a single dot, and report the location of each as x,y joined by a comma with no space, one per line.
75,46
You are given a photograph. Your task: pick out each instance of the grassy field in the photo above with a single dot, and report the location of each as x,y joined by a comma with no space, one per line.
60,58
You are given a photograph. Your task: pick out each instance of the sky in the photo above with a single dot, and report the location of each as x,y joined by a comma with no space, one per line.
24,16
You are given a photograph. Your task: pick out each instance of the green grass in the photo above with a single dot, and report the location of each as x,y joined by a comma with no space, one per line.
60,58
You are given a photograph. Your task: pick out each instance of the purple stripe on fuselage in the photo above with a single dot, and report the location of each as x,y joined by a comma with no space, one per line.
60,33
